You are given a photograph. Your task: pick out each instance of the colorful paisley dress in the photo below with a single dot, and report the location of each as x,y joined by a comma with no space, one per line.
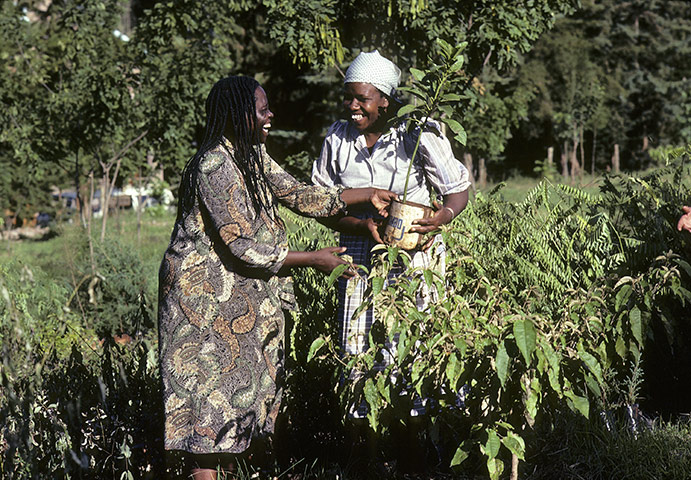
221,325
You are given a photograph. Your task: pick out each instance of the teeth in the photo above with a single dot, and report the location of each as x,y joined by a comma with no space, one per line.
356,117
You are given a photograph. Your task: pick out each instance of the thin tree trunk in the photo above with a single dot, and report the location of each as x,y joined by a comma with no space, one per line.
592,155
615,159
468,162
565,161
580,141
90,239
550,161
575,167
481,173
514,466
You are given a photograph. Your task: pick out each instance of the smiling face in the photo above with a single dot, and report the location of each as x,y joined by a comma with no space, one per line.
264,115
362,102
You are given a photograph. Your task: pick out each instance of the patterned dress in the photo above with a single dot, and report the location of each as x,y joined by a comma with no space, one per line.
221,325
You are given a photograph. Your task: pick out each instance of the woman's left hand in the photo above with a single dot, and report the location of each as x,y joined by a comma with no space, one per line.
430,224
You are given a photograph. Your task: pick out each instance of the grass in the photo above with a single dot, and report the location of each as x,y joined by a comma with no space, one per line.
57,255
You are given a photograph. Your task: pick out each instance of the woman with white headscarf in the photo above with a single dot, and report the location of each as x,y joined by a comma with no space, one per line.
364,151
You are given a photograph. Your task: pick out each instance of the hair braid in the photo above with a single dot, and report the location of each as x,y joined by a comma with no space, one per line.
231,103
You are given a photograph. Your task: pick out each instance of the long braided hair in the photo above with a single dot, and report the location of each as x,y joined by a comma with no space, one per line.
231,103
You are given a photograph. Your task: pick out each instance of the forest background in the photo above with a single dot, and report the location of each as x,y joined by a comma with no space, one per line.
99,94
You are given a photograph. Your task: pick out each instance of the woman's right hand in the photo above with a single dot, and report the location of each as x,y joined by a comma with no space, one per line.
326,259
685,220
373,227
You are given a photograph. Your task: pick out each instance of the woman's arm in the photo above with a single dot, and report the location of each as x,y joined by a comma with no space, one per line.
324,260
454,204
319,201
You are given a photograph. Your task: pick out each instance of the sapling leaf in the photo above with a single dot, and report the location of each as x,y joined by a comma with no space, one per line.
459,457
317,344
636,325
515,444
417,74
502,364
377,285
491,447
406,109
454,125
462,137
336,272
524,332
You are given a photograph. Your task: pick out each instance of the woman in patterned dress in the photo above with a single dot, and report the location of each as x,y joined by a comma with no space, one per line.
224,282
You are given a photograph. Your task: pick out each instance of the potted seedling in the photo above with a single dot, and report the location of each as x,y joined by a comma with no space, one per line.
429,88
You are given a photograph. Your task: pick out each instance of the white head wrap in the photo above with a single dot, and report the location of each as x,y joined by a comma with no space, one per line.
375,69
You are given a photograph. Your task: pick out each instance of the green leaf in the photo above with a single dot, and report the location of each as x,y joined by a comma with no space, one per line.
406,109
495,468
459,457
336,272
502,363
417,74
454,125
462,137
317,344
636,325
578,403
491,447
591,362
620,347
524,332
515,444
377,285
622,296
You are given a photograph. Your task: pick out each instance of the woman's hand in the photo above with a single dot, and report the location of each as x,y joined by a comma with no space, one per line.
374,228
685,220
381,199
326,259
442,216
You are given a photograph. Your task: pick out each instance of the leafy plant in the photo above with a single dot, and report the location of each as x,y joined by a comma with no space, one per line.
430,87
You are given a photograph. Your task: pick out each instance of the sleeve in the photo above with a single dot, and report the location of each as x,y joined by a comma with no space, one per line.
302,198
445,173
323,171
222,194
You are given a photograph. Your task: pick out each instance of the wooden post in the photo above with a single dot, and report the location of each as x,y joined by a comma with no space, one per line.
615,159
481,173
550,158
468,162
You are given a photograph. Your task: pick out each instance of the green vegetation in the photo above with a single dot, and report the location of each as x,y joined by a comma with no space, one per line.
553,304
567,292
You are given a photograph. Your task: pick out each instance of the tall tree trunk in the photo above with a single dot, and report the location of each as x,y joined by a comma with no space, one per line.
468,162
592,155
550,158
481,173
575,167
580,140
615,159
565,161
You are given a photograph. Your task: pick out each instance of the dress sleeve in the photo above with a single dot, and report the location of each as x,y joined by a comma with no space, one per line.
445,173
223,197
302,198
323,171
